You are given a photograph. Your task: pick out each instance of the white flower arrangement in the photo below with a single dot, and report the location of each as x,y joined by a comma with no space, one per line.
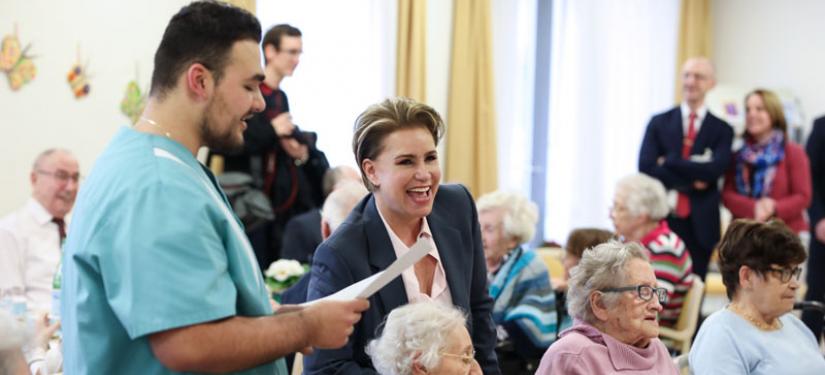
283,273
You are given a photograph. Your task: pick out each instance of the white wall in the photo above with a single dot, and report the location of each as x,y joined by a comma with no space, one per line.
757,43
348,64
514,62
114,37
774,44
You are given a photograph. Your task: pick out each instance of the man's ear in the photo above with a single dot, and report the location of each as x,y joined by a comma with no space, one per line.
199,82
269,52
598,306
712,83
369,170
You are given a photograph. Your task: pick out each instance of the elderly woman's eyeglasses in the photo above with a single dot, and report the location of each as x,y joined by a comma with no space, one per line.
465,358
645,292
785,274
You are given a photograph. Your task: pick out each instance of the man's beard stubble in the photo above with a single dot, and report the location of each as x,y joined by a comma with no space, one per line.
217,141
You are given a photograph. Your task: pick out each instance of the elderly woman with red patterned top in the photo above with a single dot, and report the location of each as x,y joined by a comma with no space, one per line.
638,213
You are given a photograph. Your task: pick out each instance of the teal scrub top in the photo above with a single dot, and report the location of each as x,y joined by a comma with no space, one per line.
153,245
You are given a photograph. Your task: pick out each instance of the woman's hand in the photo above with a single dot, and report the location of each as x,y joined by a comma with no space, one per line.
764,209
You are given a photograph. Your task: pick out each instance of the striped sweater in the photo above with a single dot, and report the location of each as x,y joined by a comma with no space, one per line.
525,303
672,266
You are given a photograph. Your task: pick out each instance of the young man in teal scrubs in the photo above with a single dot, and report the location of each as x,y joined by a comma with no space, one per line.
158,275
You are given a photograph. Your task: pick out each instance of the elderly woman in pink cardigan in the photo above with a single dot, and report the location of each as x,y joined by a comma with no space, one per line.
614,297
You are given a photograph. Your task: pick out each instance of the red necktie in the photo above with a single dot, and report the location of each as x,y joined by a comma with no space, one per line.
61,228
683,201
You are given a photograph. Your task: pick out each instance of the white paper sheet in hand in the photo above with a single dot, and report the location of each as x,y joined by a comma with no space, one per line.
368,286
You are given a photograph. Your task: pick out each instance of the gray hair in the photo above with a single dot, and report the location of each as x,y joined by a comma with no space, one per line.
644,195
416,331
604,266
520,214
340,202
335,176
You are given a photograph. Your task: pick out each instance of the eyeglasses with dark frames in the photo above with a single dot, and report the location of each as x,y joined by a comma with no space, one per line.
785,274
645,292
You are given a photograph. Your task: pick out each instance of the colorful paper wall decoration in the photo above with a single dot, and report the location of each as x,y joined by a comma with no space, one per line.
133,101
77,78
16,63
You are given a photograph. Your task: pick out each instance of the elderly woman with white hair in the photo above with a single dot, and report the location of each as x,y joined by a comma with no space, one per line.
638,213
424,338
614,297
525,304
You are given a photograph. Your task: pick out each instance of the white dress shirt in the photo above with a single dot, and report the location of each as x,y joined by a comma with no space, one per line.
701,113
29,255
672,195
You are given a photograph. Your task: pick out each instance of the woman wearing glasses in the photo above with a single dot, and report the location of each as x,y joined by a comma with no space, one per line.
755,334
613,296
424,338
638,214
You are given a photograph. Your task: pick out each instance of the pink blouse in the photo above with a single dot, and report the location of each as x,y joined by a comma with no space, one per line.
440,291
585,350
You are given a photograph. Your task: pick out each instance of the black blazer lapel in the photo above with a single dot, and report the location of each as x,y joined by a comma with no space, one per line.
706,132
675,132
381,255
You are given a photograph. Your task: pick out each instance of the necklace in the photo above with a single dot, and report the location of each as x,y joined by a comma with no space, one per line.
777,324
152,122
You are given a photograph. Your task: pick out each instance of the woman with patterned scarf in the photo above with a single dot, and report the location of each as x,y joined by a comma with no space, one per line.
770,175
524,310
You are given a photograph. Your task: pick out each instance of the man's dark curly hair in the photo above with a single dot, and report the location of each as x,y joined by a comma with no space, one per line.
201,32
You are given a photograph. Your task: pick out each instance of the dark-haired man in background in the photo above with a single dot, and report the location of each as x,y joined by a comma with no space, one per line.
159,277
281,159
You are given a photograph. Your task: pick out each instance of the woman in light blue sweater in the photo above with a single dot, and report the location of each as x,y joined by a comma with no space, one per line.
755,334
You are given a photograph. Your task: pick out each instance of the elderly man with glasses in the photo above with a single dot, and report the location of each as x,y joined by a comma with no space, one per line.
31,237
614,296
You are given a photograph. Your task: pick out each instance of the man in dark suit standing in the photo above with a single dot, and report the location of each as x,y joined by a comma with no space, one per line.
816,212
687,148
